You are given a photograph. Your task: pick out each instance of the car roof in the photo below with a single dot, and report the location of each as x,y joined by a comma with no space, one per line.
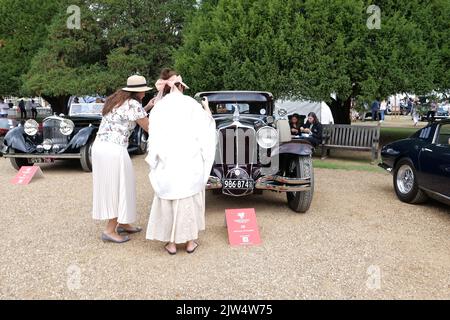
445,121
236,96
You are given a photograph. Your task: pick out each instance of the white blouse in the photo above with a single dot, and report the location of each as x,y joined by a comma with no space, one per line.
117,126
180,161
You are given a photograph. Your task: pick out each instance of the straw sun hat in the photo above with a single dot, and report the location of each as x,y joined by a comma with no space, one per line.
137,84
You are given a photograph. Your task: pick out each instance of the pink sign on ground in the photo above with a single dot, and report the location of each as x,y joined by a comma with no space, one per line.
242,227
26,174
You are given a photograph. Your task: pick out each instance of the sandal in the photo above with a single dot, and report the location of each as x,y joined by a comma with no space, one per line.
193,250
170,252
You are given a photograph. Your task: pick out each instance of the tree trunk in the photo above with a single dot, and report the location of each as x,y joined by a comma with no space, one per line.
341,110
58,104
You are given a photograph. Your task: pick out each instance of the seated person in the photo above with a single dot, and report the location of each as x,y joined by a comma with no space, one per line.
314,128
295,124
221,109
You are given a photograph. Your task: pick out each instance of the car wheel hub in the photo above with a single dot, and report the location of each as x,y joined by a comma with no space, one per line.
405,179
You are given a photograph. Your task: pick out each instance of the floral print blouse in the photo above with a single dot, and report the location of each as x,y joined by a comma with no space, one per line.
117,126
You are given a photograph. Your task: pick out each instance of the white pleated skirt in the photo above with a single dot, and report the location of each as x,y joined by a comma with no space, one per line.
114,184
177,221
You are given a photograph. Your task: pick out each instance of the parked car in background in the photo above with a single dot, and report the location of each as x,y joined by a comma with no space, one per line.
63,137
6,125
256,151
442,113
421,164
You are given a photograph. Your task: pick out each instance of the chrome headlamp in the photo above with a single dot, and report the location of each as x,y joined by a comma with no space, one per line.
66,127
31,127
56,148
267,137
47,145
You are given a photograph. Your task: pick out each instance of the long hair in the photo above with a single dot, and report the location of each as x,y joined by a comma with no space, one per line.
117,99
313,115
298,124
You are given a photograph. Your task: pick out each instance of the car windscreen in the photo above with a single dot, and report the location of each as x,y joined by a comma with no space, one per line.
259,108
86,109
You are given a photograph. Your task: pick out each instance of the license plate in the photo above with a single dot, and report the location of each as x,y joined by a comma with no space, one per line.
238,184
40,160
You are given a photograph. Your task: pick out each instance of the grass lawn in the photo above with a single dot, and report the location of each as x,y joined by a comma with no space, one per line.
351,165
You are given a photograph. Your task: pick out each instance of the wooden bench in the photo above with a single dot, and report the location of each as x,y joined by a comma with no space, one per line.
347,137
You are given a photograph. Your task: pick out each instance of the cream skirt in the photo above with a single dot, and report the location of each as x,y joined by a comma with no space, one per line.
114,183
177,221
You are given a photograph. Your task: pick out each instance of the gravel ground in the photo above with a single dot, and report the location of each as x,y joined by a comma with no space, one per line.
51,248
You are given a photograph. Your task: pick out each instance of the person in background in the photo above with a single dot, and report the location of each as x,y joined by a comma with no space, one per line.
375,108
23,110
28,106
295,124
3,109
433,109
314,128
114,186
414,113
34,107
383,108
410,105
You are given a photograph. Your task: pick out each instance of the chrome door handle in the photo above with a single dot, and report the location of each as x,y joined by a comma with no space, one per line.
426,150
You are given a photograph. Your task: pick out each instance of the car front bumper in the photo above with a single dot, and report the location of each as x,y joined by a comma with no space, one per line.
43,156
271,183
386,167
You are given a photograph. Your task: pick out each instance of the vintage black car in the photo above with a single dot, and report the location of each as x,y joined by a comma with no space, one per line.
255,150
421,164
62,137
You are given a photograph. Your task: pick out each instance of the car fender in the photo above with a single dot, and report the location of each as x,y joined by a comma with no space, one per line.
15,139
82,137
301,148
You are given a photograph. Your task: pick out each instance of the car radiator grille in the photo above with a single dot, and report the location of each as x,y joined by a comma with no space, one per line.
51,131
237,145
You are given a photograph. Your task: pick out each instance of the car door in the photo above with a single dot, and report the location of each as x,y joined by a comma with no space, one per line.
434,161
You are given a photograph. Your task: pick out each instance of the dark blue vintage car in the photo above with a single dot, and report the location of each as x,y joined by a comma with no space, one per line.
256,151
421,164
62,137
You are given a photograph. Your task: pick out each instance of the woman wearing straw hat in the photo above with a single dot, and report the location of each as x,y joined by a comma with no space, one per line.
114,187
180,164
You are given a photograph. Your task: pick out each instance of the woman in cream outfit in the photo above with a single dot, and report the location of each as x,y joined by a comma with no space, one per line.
180,164
114,196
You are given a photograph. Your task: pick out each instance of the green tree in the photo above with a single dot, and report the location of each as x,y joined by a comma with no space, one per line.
116,39
23,28
313,48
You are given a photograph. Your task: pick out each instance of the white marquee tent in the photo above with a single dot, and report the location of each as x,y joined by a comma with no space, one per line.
303,108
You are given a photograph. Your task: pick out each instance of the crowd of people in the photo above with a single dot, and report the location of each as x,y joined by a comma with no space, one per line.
409,106
30,106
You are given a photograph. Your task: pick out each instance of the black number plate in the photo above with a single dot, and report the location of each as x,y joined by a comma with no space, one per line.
236,184
42,160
